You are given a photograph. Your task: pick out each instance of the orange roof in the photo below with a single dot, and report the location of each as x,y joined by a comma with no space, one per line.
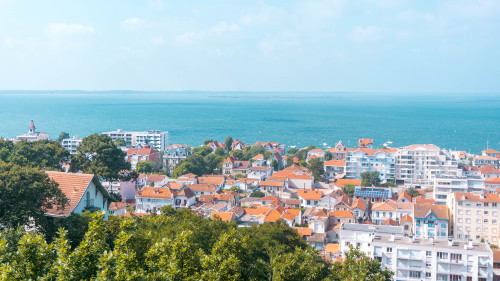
223,216
211,180
440,211
310,194
288,216
489,169
273,215
300,177
390,221
335,163
141,151
223,197
258,157
294,168
155,192
303,231
492,181
496,256
175,185
359,203
332,248
117,205
486,158
155,178
271,183
270,198
343,182
73,186
317,150
406,218
295,212
491,151
342,214
488,197
206,198
405,195
203,187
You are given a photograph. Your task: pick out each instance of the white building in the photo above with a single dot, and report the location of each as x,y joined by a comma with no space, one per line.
443,184
361,235
363,160
154,138
32,134
71,144
427,259
418,164
152,199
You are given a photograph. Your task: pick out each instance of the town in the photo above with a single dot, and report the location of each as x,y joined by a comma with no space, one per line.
424,212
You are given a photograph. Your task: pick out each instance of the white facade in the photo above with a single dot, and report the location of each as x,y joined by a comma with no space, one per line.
33,135
155,138
71,144
444,184
418,164
359,161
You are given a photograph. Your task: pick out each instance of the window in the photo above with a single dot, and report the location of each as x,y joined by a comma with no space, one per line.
494,213
414,274
459,228
428,275
485,220
406,227
485,229
459,203
478,221
428,253
443,225
442,255
478,212
478,229
428,264
456,257
494,230
486,204
478,204
467,204
460,220
467,212
467,220
389,250
460,211
485,212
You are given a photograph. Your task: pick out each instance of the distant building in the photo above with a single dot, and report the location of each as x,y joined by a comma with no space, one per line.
136,155
365,143
363,160
154,138
32,134
71,144
174,155
444,184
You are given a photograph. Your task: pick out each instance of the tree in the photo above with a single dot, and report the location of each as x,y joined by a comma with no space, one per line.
145,167
26,193
302,154
62,135
250,152
292,151
357,266
315,166
413,192
98,155
228,143
328,156
192,164
238,154
213,161
207,141
370,179
120,143
298,265
275,165
349,190
202,150
219,151
258,194
43,154
289,161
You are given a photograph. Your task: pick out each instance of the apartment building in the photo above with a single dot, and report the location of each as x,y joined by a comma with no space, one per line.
174,155
154,138
363,160
418,164
71,144
475,216
428,259
444,184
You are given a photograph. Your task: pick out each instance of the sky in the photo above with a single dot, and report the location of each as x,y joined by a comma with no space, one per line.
318,45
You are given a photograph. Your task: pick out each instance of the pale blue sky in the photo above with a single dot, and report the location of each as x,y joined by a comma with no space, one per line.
367,45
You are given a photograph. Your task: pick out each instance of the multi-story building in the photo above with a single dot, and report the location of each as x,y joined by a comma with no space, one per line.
475,216
429,259
232,166
32,134
480,161
363,160
154,138
339,151
334,169
152,199
174,155
431,221
136,155
361,235
418,164
444,184
71,144
381,211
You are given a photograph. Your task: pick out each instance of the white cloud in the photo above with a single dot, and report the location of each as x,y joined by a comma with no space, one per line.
362,34
133,23
62,29
224,27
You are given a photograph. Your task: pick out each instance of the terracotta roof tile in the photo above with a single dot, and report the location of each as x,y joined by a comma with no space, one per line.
341,214
310,194
73,186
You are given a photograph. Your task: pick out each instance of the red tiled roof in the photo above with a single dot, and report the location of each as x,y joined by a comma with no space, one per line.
310,194
341,214
338,163
155,192
73,186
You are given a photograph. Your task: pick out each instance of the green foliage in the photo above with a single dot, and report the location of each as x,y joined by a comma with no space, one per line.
328,156
302,264
252,151
357,266
145,167
292,151
289,161
120,142
228,142
315,166
370,179
213,162
349,190
98,155
25,193
62,135
43,154
235,188
202,150
303,163
238,154
258,194
267,155
413,192
192,164
302,154
219,151
275,165
207,141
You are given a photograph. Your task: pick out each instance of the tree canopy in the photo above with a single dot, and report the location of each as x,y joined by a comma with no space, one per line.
97,154
43,154
349,190
145,167
370,179
62,135
315,166
228,143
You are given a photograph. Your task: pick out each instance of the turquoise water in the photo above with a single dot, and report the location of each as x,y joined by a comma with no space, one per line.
461,121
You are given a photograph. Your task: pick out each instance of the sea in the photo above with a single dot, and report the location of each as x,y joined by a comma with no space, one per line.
464,121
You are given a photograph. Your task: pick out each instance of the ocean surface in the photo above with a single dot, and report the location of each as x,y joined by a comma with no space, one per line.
454,121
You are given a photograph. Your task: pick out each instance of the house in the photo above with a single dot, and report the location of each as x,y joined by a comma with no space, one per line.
232,166
272,147
117,208
237,145
309,198
152,199
276,156
223,216
339,151
204,188
480,161
431,221
334,169
272,187
301,181
316,153
489,171
156,180
218,180
260,172
406,222
470,171
154,138
187,179
382,211
341,216
258,160
136,155
215,144
32,134
491,152
372,194
83,191
71,144
174,154
359,208
365,143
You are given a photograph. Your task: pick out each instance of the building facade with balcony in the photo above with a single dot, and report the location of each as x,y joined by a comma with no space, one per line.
444,184
154,138
71,144
363,160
